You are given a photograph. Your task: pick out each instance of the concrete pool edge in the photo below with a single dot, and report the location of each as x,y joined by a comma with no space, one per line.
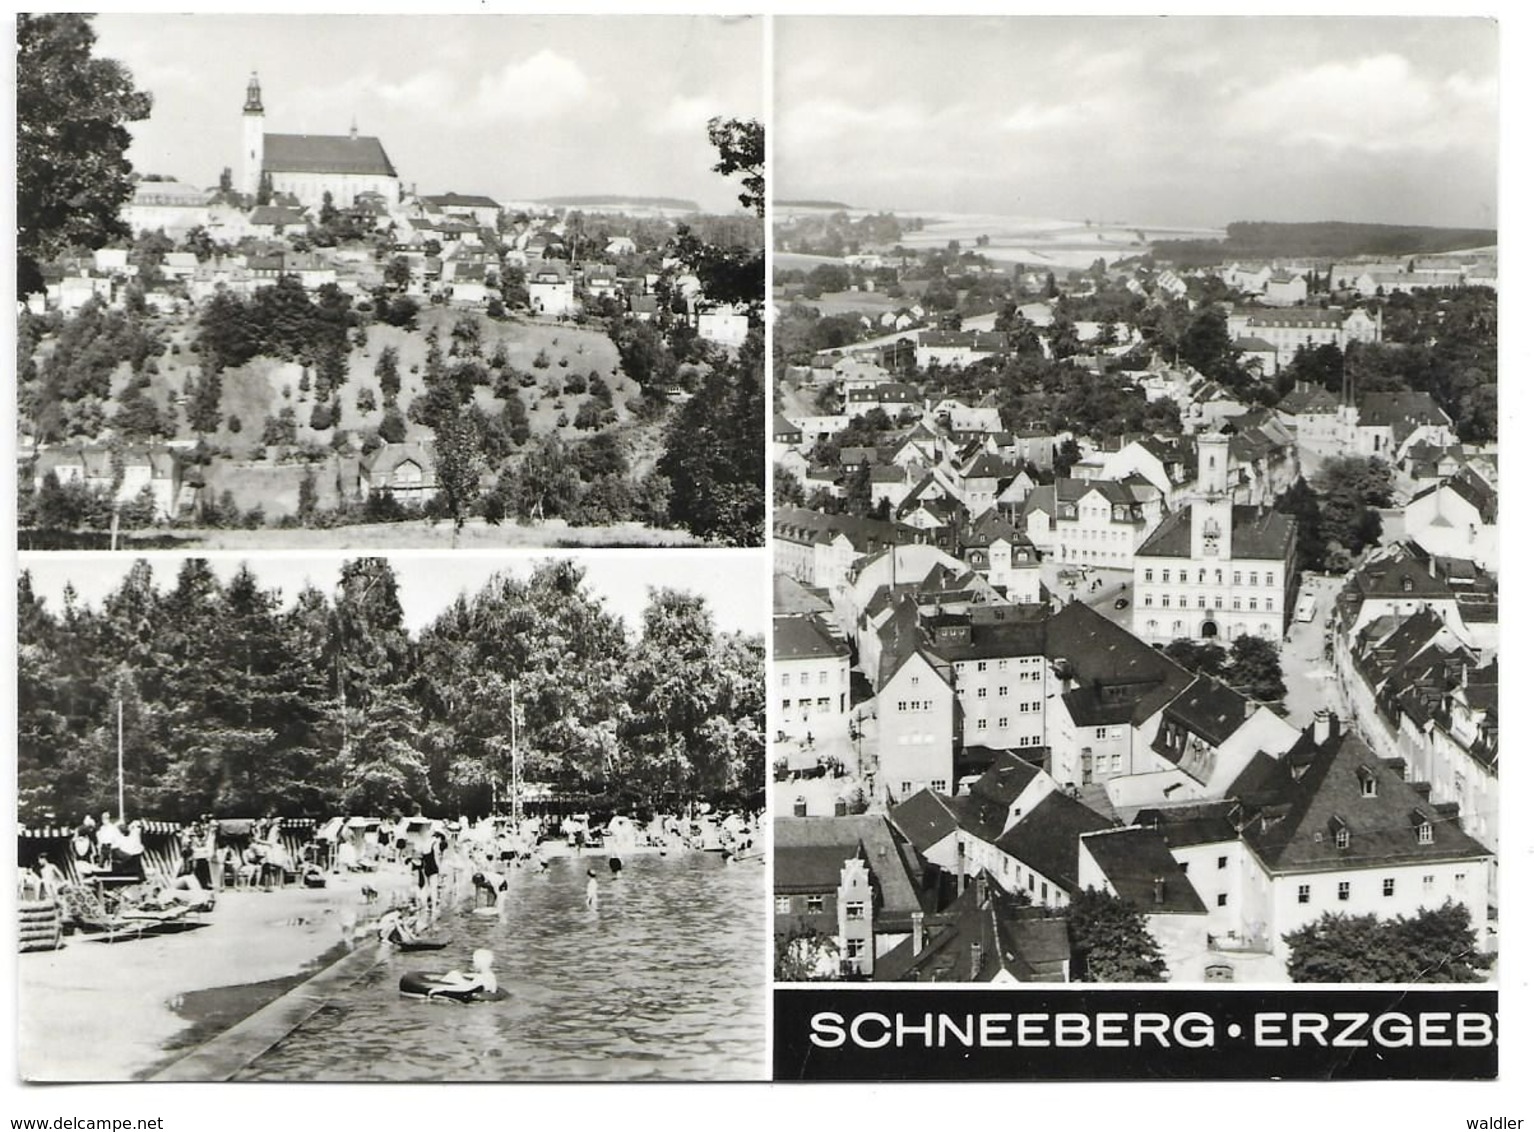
223,1056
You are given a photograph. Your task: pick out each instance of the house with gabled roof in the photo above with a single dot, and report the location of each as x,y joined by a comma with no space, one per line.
1456,518
985,936
918,724
852,878
1335,828
1135,864
813,670
1388,423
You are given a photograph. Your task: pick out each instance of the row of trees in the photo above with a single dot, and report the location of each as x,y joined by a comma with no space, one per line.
238,702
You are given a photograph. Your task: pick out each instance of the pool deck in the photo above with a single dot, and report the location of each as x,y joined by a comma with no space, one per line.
94,1011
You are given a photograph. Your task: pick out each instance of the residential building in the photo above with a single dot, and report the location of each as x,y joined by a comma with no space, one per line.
1456,518
813,670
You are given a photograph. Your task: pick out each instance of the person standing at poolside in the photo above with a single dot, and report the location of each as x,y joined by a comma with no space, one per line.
591,889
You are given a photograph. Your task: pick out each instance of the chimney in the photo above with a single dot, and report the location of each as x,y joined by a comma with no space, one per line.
1321,727
1249,709
1158,890
918,932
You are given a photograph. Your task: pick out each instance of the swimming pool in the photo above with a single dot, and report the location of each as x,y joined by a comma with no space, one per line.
665,981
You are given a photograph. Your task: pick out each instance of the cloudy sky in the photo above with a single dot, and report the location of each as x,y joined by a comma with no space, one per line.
731,581
512,107
1184,120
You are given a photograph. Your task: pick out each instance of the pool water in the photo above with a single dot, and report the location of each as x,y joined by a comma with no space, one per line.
666,980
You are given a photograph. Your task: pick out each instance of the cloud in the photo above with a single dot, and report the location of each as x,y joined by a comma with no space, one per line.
542,86
1376,104
1035,117
685,115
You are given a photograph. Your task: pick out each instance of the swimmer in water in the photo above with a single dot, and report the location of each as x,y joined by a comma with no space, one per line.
492,885
480,978
591,889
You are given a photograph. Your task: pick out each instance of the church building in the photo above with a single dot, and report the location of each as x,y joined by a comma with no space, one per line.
310,165
1214,570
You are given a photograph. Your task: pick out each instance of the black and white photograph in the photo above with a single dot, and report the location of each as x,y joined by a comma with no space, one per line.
431,818
1135,524
381,282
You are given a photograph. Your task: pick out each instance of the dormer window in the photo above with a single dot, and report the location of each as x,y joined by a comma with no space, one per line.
1368,785
1424,826
1341,837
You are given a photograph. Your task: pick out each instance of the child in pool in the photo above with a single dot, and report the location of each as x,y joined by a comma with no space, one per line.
480,978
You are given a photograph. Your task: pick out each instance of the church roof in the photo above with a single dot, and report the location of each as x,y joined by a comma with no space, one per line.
321,153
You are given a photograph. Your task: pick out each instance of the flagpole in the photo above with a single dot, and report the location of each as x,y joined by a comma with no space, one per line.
122,814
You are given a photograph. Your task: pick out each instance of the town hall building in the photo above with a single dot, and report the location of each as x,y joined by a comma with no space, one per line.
1215,570
307,166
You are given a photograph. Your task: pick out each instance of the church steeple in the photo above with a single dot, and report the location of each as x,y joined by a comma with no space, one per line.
253,96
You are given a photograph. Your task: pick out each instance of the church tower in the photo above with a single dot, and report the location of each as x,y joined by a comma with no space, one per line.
252,157
1212,503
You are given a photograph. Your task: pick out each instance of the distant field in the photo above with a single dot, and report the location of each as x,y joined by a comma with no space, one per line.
872,303
796,261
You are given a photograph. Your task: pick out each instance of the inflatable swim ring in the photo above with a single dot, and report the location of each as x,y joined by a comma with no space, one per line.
420,945
421,984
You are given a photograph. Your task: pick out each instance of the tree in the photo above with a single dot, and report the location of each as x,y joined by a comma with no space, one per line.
458,465
1110,942
1066,456
1254,669
1198,656
742,146
72,173
1437,945
1301,501
806,956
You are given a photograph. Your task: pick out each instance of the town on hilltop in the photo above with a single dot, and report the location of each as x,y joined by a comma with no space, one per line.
1135,621
316,343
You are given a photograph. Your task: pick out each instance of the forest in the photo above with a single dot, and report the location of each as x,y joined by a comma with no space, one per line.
1264,240
239,702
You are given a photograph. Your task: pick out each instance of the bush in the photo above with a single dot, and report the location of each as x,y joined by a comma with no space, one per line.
366,402
575,383
235,424
321,418
541,361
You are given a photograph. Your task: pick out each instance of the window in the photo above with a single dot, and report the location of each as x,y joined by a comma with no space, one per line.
825,677
855,909
1268,604
787,679
905,788
854,948
1304,894
1148,599
823,704
1220,900
788,706
1342,837
815,903
1270,577
982,693
1344,890
1002,722
1222,862
1101,733
1388,886
1425,833
980,667
1182,601
1166,575
1251,603
940,785
1182,575
981,724
915,681
1427,883
1459,880
1219,602
804,678
1149,574
785,905
1367,785
1118,762
1166,601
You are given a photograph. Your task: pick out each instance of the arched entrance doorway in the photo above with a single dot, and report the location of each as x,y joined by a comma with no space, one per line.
1210,630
